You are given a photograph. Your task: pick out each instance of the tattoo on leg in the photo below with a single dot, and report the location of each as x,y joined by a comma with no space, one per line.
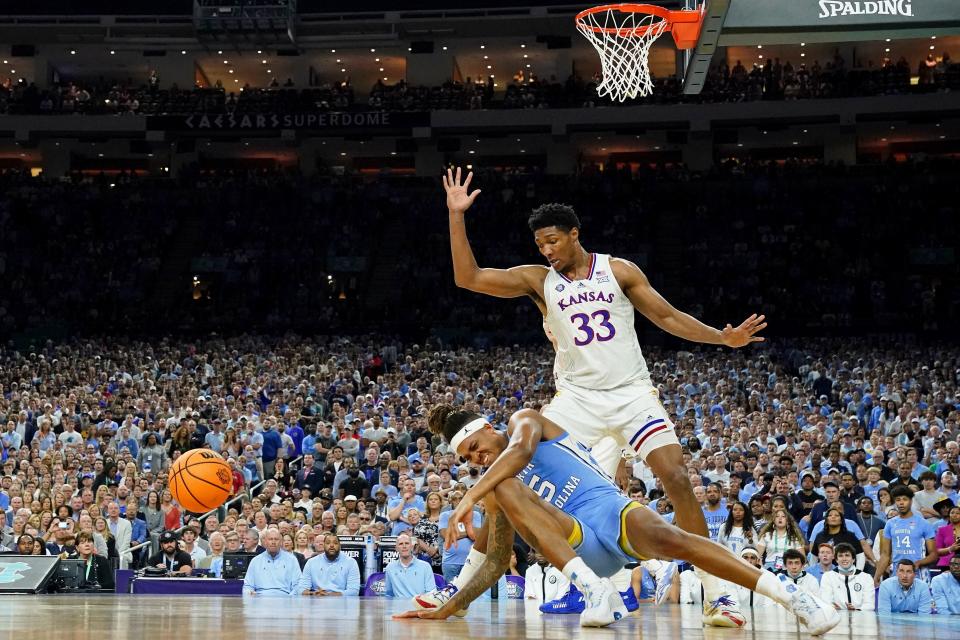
499,547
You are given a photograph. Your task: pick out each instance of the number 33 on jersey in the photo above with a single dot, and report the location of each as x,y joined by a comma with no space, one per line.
592,321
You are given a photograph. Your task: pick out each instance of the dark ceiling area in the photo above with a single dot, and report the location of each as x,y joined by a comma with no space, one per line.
185,7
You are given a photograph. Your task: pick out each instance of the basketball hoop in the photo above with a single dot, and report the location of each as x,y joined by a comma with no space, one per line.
623,33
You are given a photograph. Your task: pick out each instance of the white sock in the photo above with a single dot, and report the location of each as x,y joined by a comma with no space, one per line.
474,560
769,585
712,586
580,574
621,579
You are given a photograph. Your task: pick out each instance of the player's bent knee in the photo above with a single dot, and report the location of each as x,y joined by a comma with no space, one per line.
509,492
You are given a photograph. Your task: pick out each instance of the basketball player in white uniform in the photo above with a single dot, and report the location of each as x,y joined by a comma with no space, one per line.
603,385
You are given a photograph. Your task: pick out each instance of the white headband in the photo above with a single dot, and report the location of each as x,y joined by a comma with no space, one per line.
465,432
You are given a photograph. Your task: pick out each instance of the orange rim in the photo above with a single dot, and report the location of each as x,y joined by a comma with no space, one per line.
683,24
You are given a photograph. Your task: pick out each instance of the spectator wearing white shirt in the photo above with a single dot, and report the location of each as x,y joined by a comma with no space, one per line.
793,562
744,596
70,437
188,544
719,472
687,588
543,582
848,587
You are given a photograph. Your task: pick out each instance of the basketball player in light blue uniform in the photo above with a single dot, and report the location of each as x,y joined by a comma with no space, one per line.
908,536
544,485
605,398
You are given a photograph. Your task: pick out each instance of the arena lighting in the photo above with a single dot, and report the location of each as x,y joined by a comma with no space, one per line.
444,48
259,51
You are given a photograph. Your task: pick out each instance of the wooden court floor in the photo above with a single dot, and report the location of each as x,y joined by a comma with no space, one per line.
96,617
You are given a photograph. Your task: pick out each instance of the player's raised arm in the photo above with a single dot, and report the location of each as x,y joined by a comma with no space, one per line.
502,283
655,308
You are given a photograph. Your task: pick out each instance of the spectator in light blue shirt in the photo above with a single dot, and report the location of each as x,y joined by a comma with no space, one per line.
946,589
331,573
455,557
404,500
274,572
407,576
214,438
903,593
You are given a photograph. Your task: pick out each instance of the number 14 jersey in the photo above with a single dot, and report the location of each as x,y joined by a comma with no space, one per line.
592,321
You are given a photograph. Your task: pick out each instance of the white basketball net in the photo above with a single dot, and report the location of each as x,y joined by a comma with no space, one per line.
624,48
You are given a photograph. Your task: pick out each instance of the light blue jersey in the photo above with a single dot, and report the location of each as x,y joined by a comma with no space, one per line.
908,537
563,473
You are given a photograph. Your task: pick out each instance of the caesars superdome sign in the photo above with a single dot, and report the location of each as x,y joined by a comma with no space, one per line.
326,122
834,8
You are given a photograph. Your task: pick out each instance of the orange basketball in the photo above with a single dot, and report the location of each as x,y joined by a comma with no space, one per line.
200,480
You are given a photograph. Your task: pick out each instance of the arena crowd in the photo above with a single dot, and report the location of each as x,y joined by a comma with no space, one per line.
795,448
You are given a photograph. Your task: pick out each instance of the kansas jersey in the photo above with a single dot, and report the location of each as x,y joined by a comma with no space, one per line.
592,321
908,537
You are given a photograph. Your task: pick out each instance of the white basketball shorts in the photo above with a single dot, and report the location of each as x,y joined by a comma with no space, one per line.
628,416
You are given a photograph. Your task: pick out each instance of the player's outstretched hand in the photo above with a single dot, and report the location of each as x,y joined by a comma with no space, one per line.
423,614
458,201
744,334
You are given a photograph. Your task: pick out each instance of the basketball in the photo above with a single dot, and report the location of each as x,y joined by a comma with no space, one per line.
200,480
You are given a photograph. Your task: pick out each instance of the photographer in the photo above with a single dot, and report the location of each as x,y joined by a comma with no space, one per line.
96,569
62,531
393,444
